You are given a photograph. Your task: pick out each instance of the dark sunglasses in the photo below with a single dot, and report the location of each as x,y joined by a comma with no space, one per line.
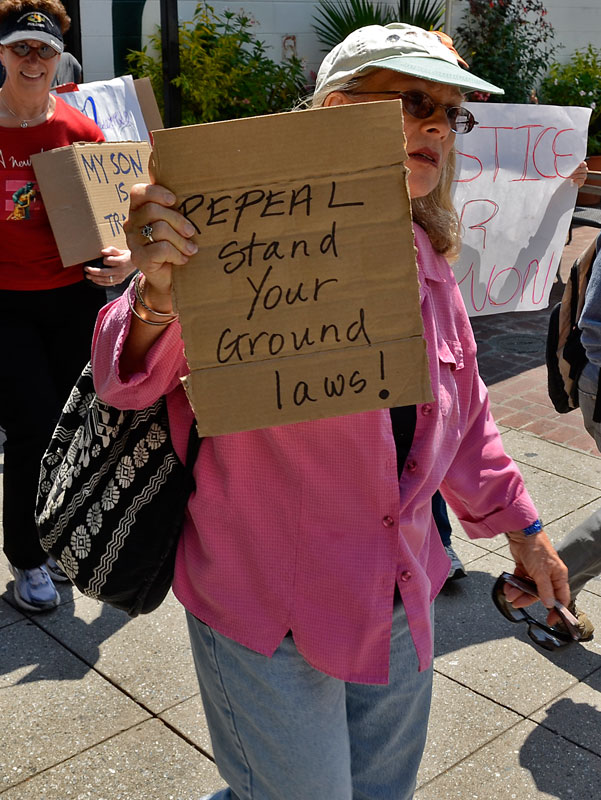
22,49
543,635
421,106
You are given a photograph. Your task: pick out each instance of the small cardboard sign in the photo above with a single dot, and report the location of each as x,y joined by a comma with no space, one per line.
302,302
85,188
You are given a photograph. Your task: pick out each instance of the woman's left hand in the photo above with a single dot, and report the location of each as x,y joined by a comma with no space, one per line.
536,558
579,175
117,268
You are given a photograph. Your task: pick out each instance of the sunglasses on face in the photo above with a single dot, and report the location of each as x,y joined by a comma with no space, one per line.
543,635
421,106
22,49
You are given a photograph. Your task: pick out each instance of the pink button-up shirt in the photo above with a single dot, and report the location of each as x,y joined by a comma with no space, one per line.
306,527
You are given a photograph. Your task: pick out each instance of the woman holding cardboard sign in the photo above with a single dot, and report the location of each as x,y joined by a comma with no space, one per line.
47,313
309,560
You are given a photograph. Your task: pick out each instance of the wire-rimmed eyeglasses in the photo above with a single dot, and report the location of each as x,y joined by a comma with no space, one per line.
421,106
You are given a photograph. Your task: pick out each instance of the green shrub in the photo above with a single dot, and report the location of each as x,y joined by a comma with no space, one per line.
578,83
224,70
507,42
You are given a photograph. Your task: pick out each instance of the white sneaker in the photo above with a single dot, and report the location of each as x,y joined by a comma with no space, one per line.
34,589
457,569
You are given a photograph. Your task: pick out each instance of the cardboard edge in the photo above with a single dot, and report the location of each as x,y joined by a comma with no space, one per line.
60,214
148,104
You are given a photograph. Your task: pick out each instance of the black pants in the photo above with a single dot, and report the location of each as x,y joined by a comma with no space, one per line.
45,340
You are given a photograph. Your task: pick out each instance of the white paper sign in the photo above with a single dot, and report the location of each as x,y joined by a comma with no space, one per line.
515,203
114,107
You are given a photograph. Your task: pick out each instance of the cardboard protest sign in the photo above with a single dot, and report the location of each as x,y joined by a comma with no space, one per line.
123,109
515,203
303,301
85,188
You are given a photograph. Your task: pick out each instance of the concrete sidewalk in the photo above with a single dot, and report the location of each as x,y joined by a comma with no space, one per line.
95,706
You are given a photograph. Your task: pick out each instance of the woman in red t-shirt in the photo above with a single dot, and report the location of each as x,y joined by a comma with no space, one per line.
47,312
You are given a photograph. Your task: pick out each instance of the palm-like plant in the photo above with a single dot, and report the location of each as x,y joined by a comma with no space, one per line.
427,14
335,19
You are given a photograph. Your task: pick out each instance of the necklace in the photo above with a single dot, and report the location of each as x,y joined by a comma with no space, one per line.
24,122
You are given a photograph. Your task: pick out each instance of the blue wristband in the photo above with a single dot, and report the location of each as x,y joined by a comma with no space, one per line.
536,527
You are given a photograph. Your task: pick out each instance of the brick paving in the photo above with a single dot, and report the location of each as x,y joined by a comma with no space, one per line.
511,356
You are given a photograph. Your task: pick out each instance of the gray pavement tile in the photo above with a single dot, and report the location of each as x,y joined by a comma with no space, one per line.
576,715
478,647
557,529
460,723
527,762
53,705
149,656
8,614
592,587
526,448
555,496
148,762
188,718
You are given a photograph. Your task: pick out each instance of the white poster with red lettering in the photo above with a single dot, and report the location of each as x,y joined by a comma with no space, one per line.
515,202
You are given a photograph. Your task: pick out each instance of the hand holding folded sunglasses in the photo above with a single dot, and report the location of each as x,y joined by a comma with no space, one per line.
536,558
548,637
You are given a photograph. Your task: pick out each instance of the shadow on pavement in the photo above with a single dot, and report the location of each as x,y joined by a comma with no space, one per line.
39,643
559,769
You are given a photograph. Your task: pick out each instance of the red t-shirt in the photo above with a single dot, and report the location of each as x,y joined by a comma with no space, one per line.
29,259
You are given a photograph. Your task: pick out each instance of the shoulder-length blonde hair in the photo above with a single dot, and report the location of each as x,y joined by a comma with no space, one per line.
435,212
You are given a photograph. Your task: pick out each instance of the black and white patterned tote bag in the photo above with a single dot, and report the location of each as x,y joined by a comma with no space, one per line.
112,498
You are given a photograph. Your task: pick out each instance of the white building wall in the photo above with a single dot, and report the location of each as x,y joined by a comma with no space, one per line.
576,22
96,39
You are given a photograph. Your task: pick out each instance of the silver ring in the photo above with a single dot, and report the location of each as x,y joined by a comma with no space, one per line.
110,278
146,231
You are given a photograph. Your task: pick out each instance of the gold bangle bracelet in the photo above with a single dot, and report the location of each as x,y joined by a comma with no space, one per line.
143,319
139,289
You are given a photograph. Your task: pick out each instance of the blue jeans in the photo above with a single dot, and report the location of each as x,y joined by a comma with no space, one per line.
282,730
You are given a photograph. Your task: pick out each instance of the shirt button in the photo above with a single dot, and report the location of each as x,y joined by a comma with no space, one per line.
426,409
411,465
406,576
388,522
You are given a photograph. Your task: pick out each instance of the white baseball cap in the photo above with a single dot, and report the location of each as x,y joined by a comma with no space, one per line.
401,48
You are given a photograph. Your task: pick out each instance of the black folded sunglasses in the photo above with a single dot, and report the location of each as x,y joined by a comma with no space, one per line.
543,635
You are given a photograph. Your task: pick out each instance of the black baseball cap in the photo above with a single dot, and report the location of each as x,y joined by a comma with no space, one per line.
32,24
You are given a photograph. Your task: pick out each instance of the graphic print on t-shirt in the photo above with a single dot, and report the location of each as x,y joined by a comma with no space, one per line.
20,198
23,200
